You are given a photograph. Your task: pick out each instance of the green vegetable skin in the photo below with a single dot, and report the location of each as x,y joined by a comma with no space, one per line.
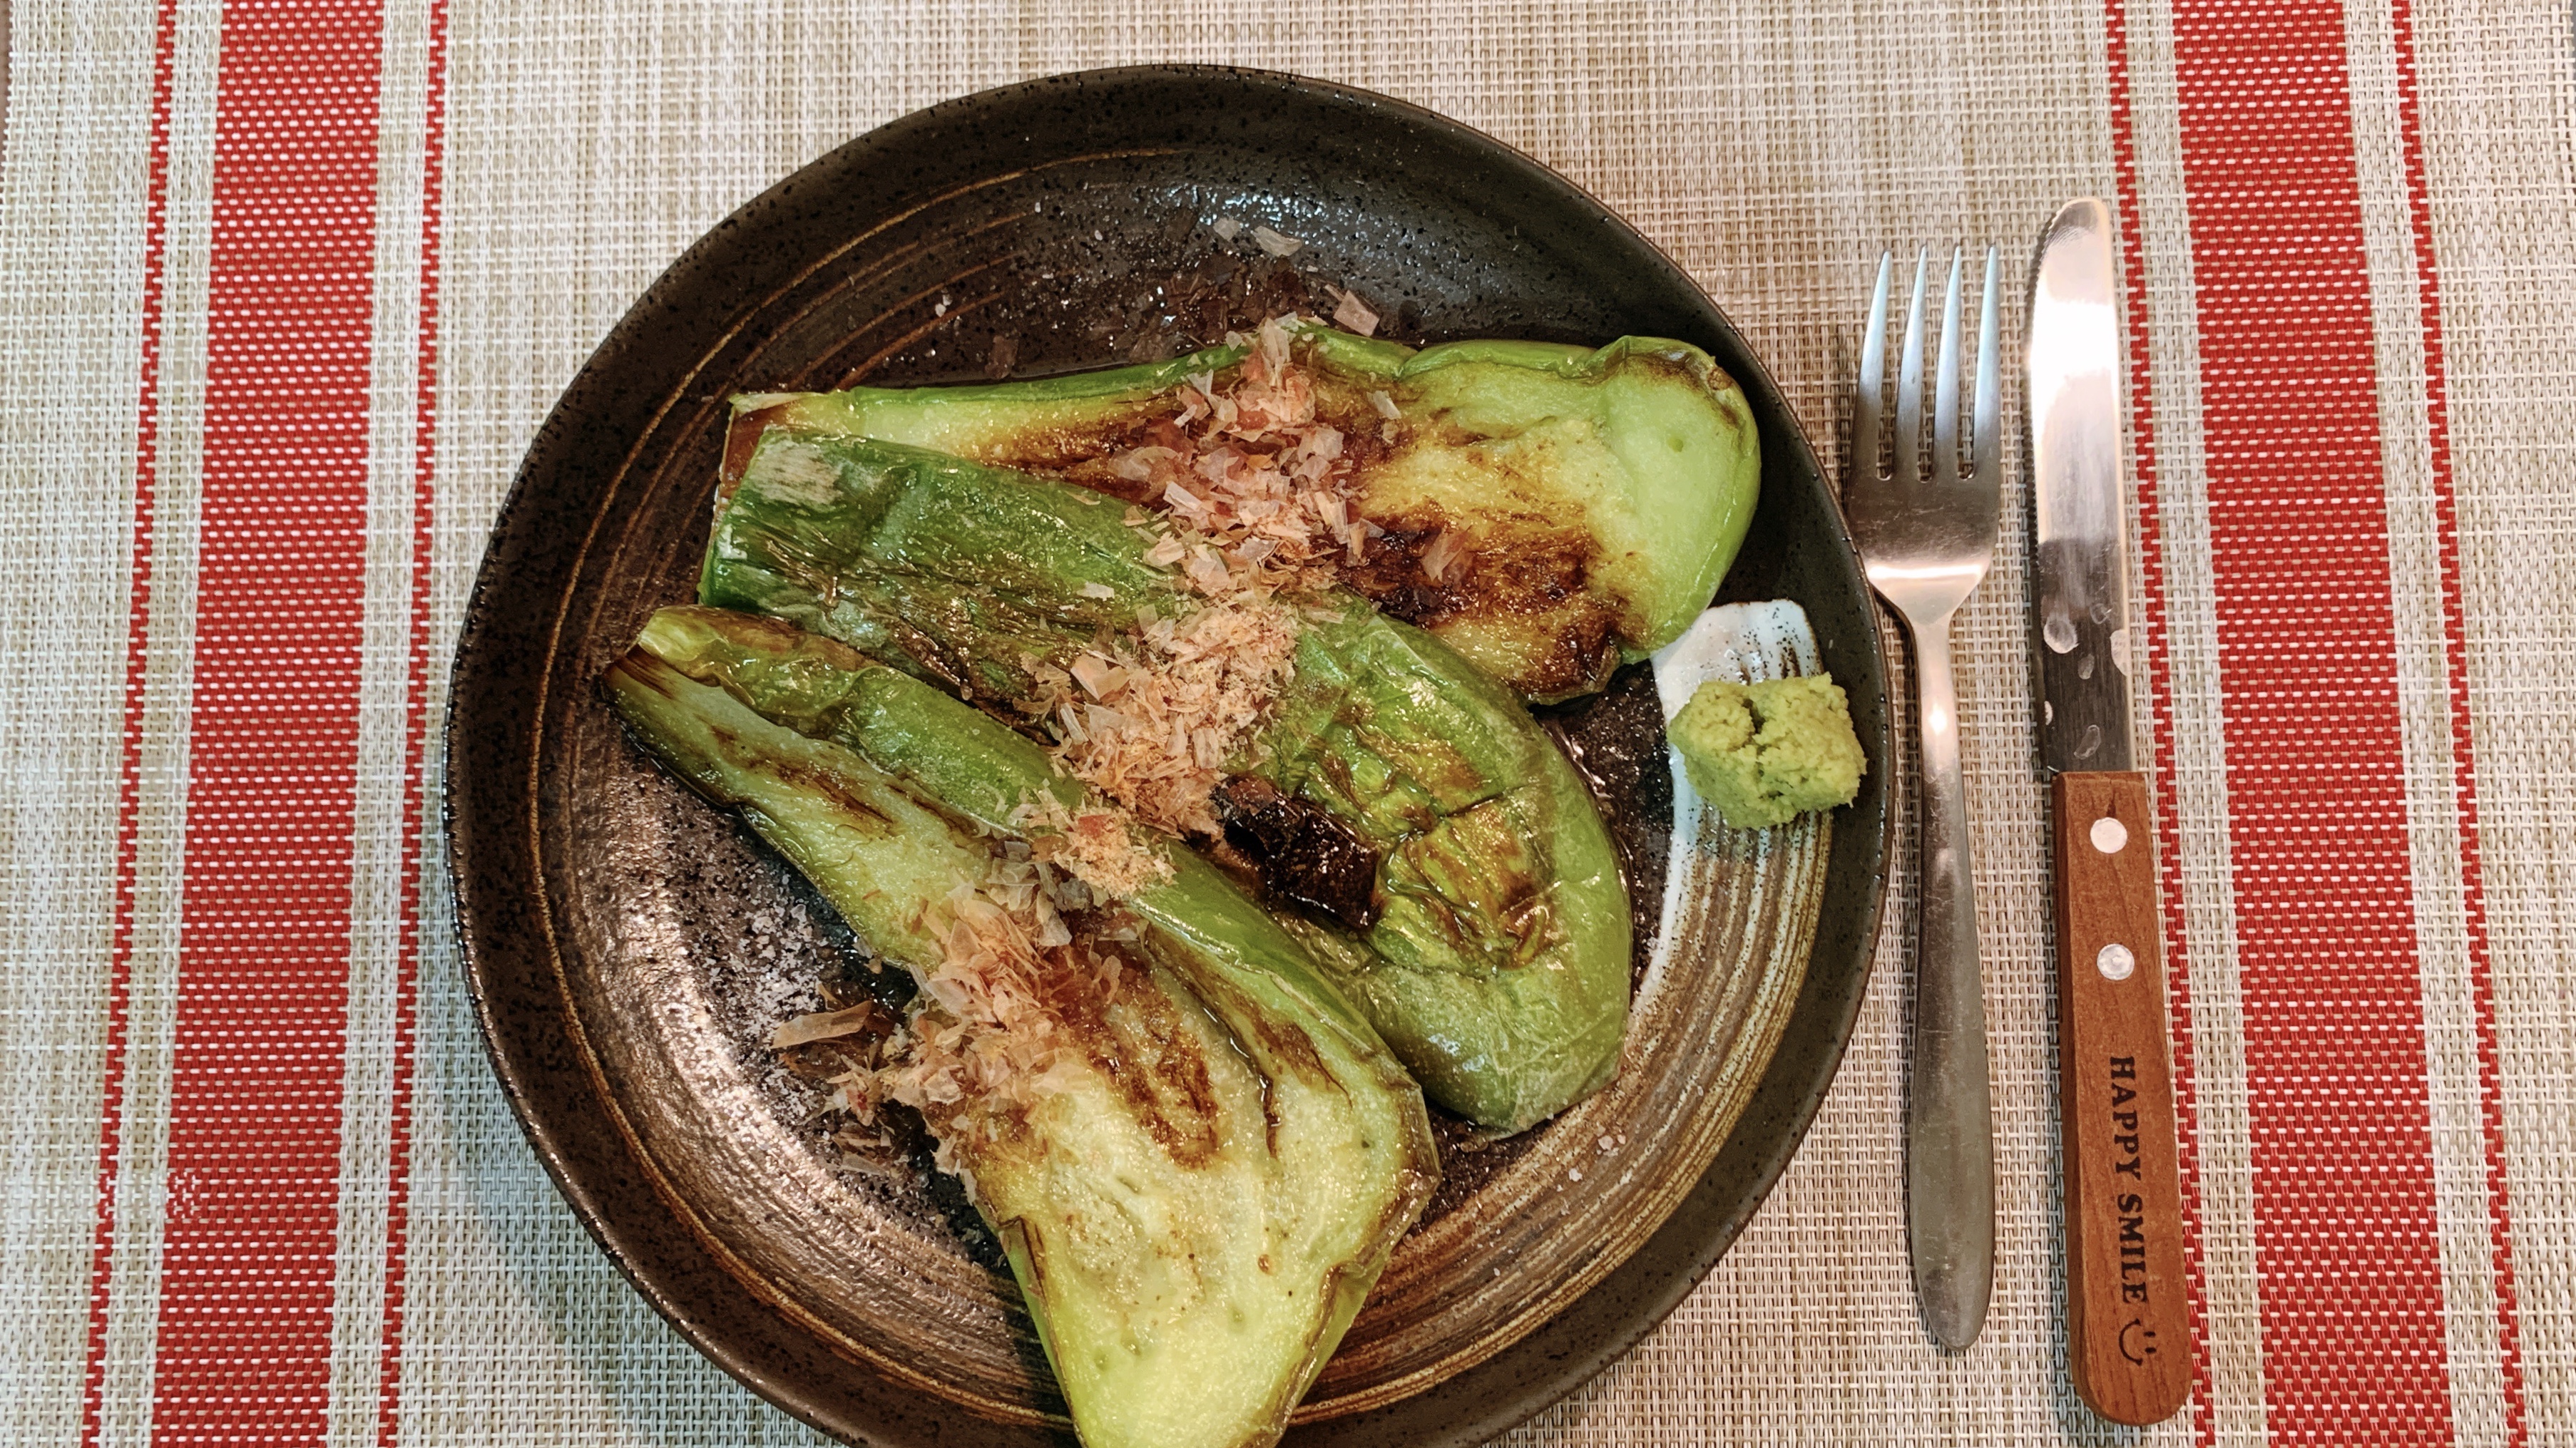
1499,968
1602,493
1191,1259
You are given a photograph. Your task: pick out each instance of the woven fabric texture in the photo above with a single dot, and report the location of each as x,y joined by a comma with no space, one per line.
2349,350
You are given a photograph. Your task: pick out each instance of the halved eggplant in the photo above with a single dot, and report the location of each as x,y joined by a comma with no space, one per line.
1545,510
1202,1183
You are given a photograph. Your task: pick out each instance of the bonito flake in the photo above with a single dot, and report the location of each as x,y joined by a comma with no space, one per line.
1151,719
1001,1016
1255,496
1254,486
1097,847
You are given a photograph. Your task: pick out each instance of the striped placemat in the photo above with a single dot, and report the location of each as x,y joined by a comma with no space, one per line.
286,286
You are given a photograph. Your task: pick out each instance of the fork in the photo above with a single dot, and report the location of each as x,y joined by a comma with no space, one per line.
1924,543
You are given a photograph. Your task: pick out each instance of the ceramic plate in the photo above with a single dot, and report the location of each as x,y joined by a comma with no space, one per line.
630,948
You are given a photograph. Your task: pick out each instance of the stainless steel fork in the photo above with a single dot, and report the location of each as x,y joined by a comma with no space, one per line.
1924,542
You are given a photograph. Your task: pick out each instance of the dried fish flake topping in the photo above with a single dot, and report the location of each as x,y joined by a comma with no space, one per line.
1001,1015
1255,488
1255,516
1098,847
1150,719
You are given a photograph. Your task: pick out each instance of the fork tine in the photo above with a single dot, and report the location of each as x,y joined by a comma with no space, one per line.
1945,385
1986,448
1909,384
1869,393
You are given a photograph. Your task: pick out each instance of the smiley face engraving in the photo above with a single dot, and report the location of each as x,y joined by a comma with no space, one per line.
2137,1341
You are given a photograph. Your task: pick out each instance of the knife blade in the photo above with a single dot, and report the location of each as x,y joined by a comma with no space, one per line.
2128,1323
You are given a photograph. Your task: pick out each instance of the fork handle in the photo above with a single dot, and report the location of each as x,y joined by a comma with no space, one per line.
1949,1107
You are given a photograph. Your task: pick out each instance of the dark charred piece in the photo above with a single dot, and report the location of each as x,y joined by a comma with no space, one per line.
1301,853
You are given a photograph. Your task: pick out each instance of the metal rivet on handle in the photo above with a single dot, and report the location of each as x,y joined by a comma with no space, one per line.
2116,962
2109,835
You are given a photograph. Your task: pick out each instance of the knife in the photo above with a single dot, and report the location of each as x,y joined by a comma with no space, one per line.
2127,1323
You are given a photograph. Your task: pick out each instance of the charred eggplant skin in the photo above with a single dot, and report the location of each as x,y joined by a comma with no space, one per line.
1499,967
1186,1298
1057,416
1601,493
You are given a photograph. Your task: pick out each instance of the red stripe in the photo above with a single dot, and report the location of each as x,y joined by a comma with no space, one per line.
129,787
2160,693
245,1329
415,736
2464,782
2338,1111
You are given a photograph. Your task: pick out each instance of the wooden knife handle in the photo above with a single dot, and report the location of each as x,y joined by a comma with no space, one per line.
2128,1325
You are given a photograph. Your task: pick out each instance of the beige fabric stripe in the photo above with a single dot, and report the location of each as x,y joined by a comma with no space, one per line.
114,247
71,253
144,1188
2415,594
2229,1282
380,825
2201,789
2498,107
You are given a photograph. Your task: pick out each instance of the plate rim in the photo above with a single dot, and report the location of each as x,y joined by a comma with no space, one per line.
1495,1395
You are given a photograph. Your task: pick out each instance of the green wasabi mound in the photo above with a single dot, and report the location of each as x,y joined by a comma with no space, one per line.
1765,753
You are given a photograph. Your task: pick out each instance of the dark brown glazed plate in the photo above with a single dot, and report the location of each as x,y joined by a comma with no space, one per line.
629,949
